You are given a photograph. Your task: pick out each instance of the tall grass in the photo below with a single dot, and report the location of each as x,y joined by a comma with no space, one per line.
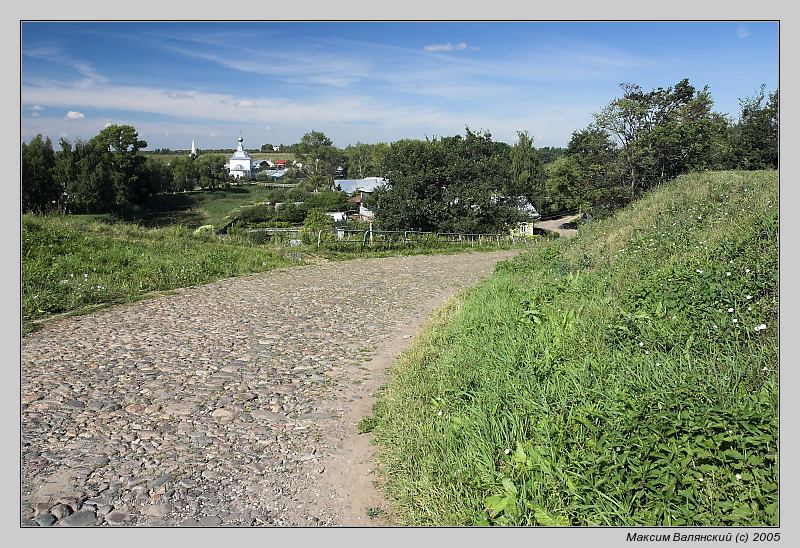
70,264
627,376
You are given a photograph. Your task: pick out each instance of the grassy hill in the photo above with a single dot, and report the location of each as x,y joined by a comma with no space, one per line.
628,376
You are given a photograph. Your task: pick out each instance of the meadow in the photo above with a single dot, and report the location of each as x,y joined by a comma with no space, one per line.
627,376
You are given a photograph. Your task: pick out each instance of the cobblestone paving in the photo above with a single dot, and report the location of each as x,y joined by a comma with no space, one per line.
214,405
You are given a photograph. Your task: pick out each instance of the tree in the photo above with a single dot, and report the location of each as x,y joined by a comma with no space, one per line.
662,133
266,147
319,158
122,145
315,221
40,192
526,171
211,171
184,174
756,136
453,184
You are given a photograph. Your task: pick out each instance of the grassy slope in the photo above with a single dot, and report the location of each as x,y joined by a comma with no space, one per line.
602,380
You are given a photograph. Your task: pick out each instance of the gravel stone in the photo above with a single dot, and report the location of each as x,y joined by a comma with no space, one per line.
84,518
225,386
45,520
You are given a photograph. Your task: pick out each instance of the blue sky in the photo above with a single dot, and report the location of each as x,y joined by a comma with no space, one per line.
369,81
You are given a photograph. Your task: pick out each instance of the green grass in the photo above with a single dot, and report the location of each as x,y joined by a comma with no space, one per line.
71,264
601,380
199,207
76,263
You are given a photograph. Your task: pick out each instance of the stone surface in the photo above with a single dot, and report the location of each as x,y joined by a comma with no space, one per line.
83,518
217,404
45,520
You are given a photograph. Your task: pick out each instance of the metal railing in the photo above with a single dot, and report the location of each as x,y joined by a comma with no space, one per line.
406,237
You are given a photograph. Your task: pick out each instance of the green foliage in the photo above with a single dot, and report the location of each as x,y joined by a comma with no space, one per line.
364,160
756,136
451,184
625,376
319,158
315,221
40,191
69,264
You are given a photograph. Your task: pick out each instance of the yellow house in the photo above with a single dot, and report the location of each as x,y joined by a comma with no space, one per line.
523,229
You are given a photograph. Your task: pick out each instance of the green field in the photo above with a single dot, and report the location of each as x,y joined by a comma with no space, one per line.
627,376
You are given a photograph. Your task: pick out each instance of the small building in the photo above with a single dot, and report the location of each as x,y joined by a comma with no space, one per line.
240,164
358,198
338,216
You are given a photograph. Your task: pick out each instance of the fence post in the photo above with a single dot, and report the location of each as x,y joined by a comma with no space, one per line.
405,237
319,238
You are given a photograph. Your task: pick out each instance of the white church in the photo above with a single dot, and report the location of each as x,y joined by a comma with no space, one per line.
241,164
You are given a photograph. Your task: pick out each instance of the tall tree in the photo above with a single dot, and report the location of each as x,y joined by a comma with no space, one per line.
40,193
756,136
319,158
527,174
126,164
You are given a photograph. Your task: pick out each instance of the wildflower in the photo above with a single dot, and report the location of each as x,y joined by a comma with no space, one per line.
747,270
735,320
507,451
750,308
715,326
727,273
738,476
85,275
439,414
730,310
641,343
761,327
749,297
700,479
658,363
698,271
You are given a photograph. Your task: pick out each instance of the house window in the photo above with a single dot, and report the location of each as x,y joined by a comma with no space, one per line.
523,228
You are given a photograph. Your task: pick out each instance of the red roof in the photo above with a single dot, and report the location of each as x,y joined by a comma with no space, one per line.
280,162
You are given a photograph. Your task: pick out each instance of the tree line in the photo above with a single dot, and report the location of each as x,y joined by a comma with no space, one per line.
468,183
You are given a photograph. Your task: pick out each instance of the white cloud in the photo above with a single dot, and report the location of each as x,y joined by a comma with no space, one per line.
244,104
35,114
58,56
448,47
74,115
742,32
37,107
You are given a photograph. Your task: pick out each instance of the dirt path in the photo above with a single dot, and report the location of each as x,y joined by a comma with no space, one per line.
233,403
554,225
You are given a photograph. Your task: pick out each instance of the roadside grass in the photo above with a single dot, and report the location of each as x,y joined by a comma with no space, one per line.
72,264
626,376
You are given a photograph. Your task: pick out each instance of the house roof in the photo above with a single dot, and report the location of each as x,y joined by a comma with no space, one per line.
367,184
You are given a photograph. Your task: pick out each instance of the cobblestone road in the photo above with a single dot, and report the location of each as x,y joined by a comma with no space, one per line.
219,404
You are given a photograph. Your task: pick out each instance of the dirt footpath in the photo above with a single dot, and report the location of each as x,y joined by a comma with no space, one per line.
232,403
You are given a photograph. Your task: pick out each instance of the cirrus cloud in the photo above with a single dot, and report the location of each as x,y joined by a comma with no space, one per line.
449,47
